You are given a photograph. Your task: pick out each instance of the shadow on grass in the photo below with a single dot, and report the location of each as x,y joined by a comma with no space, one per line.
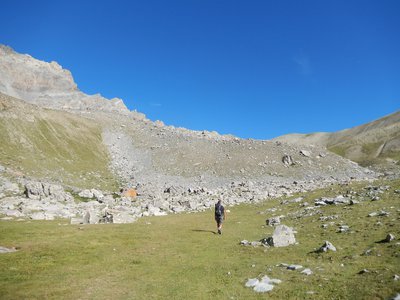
202,230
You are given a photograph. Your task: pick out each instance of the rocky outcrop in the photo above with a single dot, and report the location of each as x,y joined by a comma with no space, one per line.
48,85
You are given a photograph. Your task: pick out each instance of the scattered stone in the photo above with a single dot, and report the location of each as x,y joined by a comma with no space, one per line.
397,297
97,194
252,282
332,201
7,250
256,243
305,153
390,237
328,218
245,243
294,267
327,246
307,272
396,277
343,228
367,252
373,214
363,271
354,202
86,194
283,236
263,287
266,284
383,213
273,221
287,160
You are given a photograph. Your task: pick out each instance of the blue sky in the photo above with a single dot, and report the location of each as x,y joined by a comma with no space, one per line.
255,69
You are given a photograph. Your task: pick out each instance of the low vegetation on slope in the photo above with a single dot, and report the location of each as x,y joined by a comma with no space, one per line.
373,143
179,256
54,145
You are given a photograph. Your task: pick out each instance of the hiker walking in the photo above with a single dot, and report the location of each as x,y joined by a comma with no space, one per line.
219,215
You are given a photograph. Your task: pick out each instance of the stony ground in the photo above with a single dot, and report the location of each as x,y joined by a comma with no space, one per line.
180,256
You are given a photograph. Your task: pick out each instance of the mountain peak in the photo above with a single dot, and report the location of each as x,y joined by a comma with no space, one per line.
47,84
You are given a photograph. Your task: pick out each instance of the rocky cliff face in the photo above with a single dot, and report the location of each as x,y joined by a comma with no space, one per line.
47,84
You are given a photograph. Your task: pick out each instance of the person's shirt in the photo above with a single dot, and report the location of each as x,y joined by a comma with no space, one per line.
219,210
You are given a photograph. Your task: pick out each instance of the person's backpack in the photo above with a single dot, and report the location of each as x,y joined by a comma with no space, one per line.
219,210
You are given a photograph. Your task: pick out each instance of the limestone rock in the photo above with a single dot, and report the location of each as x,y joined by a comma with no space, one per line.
283,236
287,160
86,194
327,246
294,267
307,272
390,237
274,221
305,153
7,250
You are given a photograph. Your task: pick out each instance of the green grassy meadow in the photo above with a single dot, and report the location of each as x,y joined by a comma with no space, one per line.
180,257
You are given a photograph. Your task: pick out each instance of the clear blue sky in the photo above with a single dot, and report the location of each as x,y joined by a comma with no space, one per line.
256,69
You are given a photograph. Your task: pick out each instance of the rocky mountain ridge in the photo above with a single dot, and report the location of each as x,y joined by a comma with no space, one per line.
47,84
75,142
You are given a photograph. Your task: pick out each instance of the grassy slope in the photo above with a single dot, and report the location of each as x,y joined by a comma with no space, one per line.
178,256
56,145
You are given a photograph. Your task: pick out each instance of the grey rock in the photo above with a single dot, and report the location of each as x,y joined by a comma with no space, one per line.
287,160
343,228
307,272
245,243
294,267
390,237
13,213
273,221
7,250
255,243
42,190
98,195
305,153
123,218
9,187
363,271
283,236
397,297
86,218
41,216
34,190
263,287
106,218
327,246
252,282
86,194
